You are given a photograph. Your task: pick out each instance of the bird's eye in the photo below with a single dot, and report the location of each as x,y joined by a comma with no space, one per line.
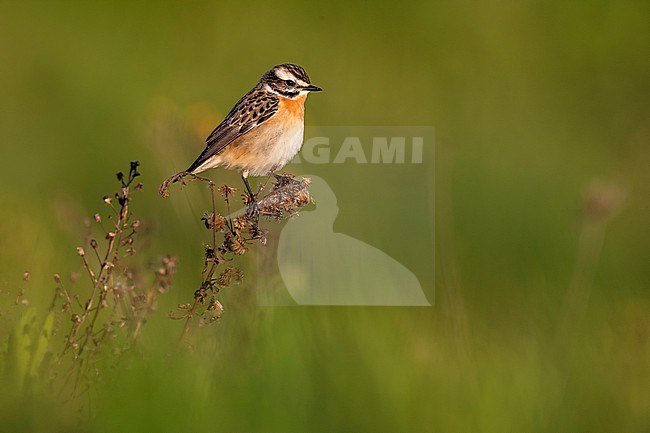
290,83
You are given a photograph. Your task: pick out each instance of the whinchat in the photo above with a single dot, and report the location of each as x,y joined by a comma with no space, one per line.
264,130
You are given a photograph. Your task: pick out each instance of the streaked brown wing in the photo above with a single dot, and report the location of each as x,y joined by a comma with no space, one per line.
255,108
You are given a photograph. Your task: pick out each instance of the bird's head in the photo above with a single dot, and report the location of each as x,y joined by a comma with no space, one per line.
288,80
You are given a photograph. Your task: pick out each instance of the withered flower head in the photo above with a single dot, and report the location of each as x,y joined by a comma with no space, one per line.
286,197
226,191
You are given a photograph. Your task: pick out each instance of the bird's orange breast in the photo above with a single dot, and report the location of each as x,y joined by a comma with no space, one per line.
291,113
293,107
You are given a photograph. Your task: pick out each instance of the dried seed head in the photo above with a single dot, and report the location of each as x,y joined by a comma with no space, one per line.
235,244
26,276
81,251
219,223
285,198
57,278
98,218
93,243
247,199
213,221
216,307
226,191
229,276
262,236
169,261
241,222
134,169
107,199
209,252
603,200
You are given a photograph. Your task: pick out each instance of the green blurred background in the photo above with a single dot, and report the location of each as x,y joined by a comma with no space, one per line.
541,318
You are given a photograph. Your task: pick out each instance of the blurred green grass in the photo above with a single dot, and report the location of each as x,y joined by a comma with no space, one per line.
531,101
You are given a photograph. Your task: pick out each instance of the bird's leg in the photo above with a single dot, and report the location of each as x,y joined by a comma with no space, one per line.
248,188
253,208
253,211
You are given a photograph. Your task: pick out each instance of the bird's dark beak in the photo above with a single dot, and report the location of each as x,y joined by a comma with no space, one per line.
312,88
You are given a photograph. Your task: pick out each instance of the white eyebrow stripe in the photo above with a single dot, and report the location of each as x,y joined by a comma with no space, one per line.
284,75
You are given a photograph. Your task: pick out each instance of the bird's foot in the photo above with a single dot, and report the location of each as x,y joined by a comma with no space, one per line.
253,208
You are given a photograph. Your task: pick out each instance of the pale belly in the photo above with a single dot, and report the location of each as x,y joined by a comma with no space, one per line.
267,148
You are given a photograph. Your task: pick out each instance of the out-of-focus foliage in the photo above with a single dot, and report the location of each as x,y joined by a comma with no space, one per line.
541,190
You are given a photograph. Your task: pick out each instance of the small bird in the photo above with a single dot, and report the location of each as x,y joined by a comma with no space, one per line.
264,130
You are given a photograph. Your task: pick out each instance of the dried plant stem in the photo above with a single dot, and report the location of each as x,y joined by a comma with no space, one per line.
115,301
213,265
601,202
188,318
285,198
214,212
